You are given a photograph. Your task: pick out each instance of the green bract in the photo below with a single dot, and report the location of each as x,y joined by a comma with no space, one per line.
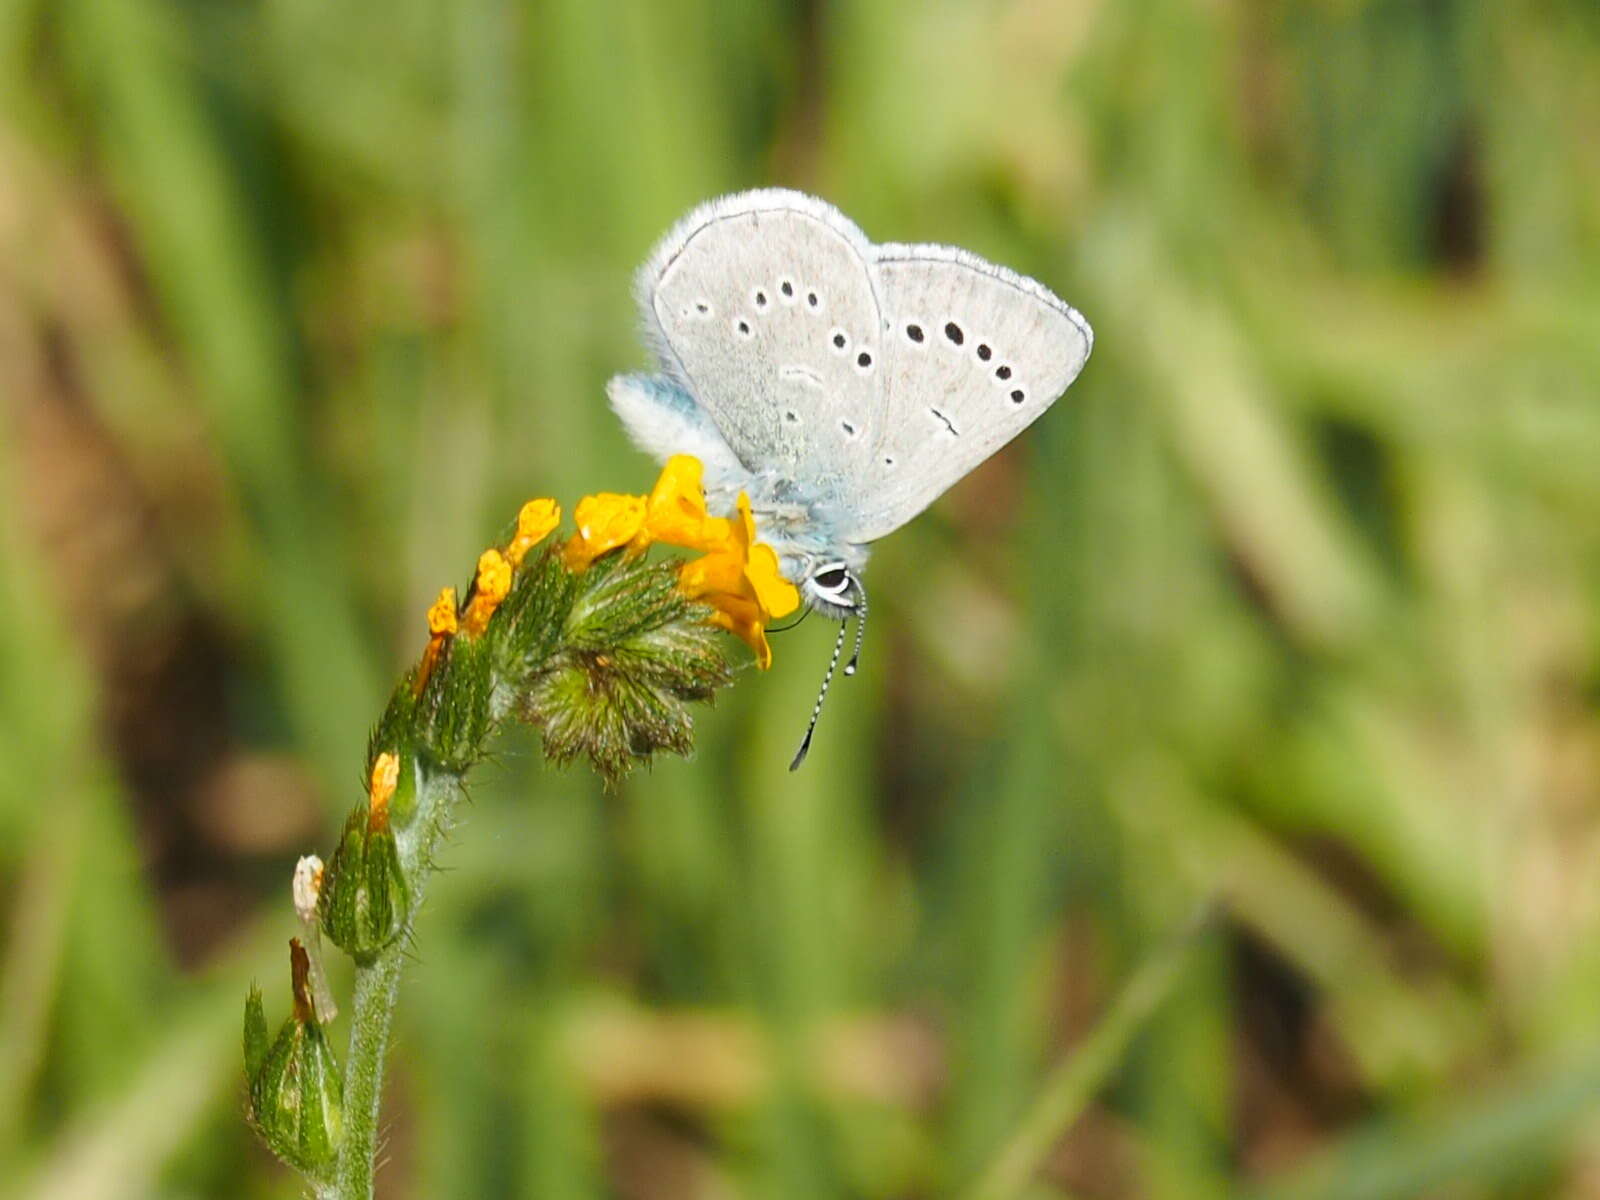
365,901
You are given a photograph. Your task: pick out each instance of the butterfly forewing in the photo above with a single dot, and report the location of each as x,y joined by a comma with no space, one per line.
764,307
974,355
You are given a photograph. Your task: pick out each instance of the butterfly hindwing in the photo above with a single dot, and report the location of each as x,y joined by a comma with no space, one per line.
974,354
663,420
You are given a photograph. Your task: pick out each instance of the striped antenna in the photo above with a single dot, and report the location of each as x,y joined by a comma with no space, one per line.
838,648
861,630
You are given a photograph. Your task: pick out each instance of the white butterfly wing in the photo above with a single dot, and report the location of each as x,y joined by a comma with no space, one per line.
973,355
762,306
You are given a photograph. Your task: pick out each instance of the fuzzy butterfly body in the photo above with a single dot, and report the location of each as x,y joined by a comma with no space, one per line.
843,385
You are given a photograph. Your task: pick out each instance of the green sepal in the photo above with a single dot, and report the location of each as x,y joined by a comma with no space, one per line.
297,1098
364,903
531,622
396,729
454,717
296,1087
255,1033
403,804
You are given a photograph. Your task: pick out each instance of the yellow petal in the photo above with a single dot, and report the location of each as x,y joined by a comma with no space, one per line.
744,527
492,585
385,778
742,618
534,523
739,578
676,510
690,532
605,521
494,576
679,488
756,639
777,596
711,574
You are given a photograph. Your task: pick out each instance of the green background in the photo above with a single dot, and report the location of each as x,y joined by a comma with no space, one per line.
1292,605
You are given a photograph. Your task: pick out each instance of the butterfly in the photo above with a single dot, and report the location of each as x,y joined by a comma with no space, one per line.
842,385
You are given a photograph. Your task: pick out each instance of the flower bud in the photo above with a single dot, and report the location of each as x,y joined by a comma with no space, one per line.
364,901
296,1089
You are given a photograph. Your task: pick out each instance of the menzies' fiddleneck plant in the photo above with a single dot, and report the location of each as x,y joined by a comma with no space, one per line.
598,648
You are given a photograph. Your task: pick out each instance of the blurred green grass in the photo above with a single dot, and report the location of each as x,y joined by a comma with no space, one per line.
1292,602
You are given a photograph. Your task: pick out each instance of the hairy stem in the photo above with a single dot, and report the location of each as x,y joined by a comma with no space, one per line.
377,986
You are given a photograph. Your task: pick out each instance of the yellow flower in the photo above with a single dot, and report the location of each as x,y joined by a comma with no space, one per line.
492,586
442,613
442,626
494,577
740,580
534,523
605,521
675,513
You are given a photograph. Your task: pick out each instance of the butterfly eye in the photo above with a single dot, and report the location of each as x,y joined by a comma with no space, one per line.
832,580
